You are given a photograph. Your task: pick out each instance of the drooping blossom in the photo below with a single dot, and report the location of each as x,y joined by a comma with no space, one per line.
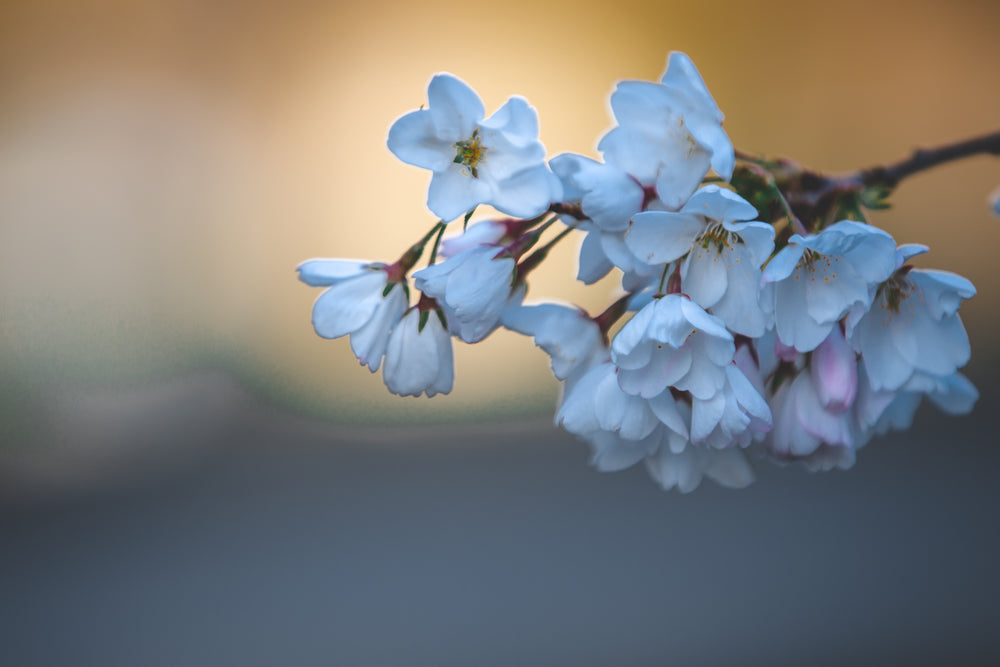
815,280
418,358
815,411
607,195
882,410
359,302
621,429
472,288
673,342
567,334
602,251
685,469
913,325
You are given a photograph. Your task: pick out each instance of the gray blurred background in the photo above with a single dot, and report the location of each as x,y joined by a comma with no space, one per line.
189,476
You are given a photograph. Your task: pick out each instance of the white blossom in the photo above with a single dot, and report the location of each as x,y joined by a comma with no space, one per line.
668,133
722,256
815,280
472,288
497,161
685,469
620,426
567,334
913,326
802,425
358,301
484,232
882,410
418,358
607,195
673,342
621,429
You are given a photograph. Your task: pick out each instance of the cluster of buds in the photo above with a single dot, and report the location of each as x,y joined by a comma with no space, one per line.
759,312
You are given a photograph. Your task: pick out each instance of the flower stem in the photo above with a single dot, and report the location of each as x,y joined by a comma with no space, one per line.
572,210
437,242
674,282
663,278
539,255
612,314
397,271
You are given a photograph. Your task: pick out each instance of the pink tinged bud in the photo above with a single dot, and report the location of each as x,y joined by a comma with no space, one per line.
834,371
784,352
487,232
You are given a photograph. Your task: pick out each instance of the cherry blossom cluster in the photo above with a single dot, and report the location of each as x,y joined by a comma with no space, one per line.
752,322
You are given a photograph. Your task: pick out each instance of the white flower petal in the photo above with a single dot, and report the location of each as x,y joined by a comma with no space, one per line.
684,162
516,119
681,74
758,238
418,362
325,272
413,140
666,410
783,264
369,342
740,307
611,452
657,237
729,467
526,193
747,395
593,263
453,192
704,276
705,416
717,203
956,395
454,107
348,305
942,291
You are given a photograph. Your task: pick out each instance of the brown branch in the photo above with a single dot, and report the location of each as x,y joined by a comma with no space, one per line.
815,197
926,158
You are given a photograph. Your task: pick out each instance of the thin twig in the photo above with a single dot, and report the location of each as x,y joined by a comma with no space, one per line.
926,158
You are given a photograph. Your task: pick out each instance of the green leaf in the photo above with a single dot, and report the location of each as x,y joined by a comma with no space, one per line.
876,197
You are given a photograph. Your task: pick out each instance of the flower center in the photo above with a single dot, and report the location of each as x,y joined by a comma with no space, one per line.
895,290
813,265
471,153
807,260
718,236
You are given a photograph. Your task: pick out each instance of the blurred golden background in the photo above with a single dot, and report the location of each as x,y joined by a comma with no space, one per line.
165,165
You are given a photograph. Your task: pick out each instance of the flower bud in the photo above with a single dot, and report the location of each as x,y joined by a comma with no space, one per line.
834,370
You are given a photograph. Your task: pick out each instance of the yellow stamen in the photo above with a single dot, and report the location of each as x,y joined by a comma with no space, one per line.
471,153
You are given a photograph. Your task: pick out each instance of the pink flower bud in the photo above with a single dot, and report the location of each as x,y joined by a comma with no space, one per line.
834,370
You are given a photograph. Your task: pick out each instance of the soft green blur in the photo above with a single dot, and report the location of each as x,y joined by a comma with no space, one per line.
165,165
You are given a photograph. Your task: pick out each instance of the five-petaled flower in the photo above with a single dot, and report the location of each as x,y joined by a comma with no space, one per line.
496,161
